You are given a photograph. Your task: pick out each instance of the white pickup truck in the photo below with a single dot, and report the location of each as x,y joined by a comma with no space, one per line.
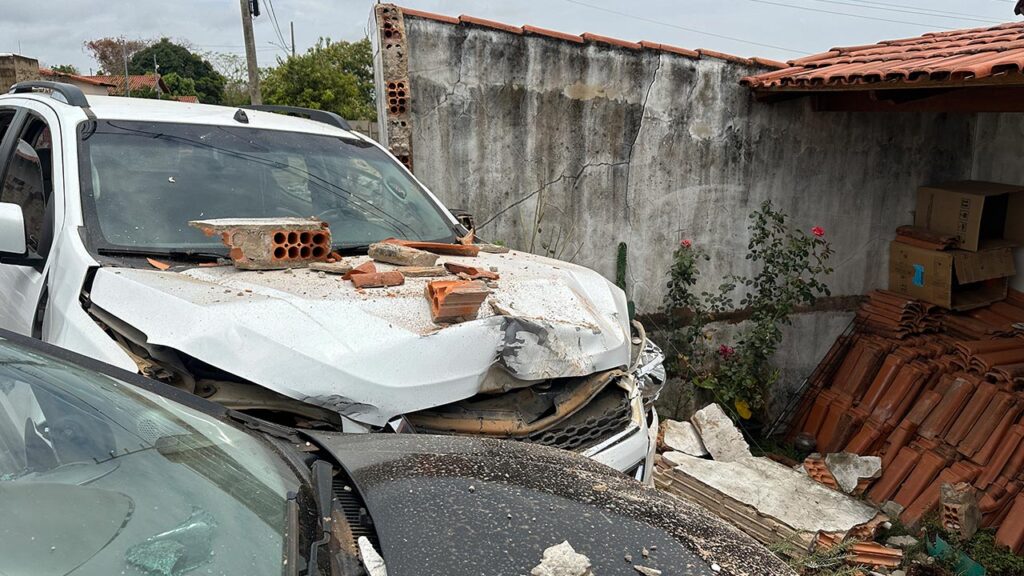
96,189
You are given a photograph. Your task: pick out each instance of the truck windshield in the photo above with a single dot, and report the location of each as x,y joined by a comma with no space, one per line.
142,182
100,477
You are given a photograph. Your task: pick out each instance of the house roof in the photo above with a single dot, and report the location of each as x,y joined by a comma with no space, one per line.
975,56
189,99
588,38
135,82
76,77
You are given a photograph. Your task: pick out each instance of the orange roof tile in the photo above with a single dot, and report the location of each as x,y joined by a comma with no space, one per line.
957,55
589,37
86,79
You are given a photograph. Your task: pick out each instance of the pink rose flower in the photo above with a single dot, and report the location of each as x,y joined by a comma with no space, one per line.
726,351
818,231
686,243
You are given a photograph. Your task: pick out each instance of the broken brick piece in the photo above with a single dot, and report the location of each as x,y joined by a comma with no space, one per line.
270,243
470,272
455,300
816,468
378,279
158,264
400,255
959,514
875,554
438,247
329,267
367,267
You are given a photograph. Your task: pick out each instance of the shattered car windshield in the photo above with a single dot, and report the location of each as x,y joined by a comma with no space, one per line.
100,477
142,182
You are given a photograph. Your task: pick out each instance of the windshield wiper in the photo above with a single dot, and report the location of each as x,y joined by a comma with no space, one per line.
197,255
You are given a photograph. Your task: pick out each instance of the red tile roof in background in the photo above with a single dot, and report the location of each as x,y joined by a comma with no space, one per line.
189,99
135,82
995,53
590,38
86,79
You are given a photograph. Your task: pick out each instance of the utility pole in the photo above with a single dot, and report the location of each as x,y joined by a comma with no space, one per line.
127,85
292,26
250,53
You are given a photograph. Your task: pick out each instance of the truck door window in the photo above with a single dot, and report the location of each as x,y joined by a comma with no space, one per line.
29,183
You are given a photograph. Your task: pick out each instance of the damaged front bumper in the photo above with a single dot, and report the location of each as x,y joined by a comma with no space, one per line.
608,416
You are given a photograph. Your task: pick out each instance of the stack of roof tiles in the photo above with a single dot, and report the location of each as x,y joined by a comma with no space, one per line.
938,396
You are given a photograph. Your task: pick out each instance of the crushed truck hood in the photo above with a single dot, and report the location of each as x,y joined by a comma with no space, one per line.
460,505
373,354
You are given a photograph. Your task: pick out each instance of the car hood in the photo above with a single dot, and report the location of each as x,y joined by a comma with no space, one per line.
458,505
373,354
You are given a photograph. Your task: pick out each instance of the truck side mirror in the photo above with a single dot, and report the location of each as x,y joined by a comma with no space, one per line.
12,230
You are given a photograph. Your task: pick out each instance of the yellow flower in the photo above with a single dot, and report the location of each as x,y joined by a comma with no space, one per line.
743,409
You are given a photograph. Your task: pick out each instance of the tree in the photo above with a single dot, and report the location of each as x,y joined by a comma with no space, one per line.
178,86
177,59
236,77
65,69
110,53
333,76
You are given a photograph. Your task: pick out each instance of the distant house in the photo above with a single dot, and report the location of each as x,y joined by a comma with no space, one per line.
137,84
88,84
188,99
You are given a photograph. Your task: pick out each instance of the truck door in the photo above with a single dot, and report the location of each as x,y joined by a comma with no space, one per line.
27,179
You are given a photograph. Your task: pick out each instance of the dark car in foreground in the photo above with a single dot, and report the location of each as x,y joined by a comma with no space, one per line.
105,472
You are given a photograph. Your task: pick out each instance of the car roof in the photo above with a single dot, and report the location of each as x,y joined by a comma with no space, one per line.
152,110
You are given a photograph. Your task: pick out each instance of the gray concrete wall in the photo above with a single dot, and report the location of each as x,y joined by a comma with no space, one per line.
999,157
569,149
603,144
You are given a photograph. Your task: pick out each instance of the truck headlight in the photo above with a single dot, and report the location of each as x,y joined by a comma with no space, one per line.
648,367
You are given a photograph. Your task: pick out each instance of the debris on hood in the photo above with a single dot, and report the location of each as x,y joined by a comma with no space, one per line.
372,560
562,560
367,267
158,264
455,300
646,571
721,437
400,255
178,550
378,279
339,267
493,248
422,271
470,272
270,243
438,247
680,437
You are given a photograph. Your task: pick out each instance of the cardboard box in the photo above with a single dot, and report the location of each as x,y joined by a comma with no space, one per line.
953,279
977,212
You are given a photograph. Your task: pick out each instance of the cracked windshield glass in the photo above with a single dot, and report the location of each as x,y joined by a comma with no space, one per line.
143,182
139,485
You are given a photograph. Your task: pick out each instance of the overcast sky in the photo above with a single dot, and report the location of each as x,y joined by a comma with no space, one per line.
53,30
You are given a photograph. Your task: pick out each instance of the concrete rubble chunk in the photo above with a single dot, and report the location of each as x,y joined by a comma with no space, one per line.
400,255
902,542
721,437
848,469
470,272
341,268
493,248
682,437
562,560
779,492
647,571
372,560
270,243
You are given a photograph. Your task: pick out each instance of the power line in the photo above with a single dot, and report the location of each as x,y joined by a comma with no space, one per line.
926,10
850,15
678,27
932,13
277,27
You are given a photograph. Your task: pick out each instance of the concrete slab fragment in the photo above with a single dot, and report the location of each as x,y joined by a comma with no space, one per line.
721,437
682,437
848,468
779,492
